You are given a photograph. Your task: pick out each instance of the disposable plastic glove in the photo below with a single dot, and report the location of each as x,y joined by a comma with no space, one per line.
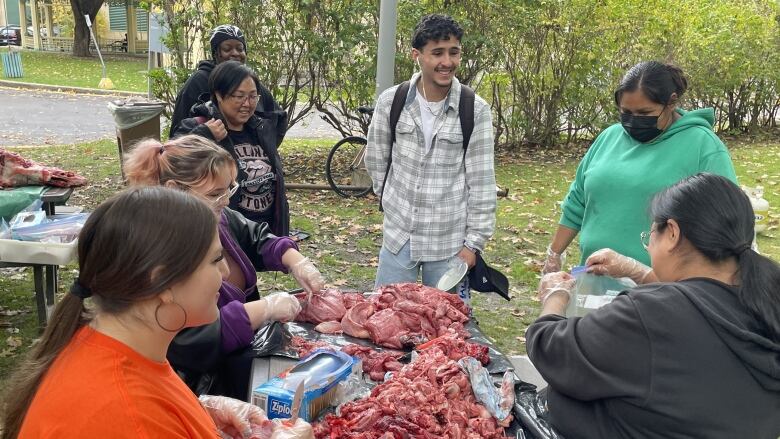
554,261
611,263
307,275
234,418
555,283
281,307
300,430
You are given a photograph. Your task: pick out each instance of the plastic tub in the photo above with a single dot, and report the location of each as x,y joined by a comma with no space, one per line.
26,252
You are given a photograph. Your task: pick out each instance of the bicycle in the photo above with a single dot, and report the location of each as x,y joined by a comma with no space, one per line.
345,167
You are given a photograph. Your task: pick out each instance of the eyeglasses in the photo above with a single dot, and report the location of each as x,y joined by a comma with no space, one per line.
231,190
645,237
240,99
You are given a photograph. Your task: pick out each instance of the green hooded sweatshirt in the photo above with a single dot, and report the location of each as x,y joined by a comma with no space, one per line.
608,200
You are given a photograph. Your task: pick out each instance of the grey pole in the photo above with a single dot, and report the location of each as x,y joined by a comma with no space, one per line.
385,57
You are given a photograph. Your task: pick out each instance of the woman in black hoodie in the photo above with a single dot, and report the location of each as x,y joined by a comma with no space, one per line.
694,355
227,44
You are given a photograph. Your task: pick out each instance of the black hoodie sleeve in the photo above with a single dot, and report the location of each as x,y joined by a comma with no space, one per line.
250,236
605,354
189,95
192,126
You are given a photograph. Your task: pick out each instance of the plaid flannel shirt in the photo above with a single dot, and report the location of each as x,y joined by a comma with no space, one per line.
440,200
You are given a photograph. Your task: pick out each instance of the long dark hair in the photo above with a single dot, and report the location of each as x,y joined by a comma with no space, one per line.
656,80
123,241
716,217
227,77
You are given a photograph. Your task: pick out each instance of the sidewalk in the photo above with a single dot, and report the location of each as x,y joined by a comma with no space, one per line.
68,89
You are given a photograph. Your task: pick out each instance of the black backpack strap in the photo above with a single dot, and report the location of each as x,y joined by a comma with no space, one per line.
399,99
466,114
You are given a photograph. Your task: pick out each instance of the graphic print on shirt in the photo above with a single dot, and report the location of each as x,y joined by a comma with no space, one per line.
257,190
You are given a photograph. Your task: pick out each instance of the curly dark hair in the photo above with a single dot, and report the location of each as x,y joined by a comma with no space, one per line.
435,27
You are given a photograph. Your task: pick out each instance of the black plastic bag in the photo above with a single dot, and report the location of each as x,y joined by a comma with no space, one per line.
531,411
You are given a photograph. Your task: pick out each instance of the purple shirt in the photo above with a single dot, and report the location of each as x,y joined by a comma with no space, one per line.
236,329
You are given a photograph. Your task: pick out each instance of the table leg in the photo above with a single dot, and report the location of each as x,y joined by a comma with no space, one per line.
51,288
40,295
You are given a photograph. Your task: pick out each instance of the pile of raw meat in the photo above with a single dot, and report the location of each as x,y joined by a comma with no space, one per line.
375,363
430,397
15,171
396,316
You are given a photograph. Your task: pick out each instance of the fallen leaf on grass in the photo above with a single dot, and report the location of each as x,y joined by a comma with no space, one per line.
13,342
7,352
518,313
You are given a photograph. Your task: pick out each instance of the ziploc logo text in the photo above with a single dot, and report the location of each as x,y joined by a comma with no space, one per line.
279,409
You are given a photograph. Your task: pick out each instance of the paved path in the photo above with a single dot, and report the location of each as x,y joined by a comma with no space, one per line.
36,117
32,117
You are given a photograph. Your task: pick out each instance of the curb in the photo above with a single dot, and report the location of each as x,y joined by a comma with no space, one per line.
67,89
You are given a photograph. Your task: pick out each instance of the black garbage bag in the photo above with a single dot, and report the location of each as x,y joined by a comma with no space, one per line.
532,413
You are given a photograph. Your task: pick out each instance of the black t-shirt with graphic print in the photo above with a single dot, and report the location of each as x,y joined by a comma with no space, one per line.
256,178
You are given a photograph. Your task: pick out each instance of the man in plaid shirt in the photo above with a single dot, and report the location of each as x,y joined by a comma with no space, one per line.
438,203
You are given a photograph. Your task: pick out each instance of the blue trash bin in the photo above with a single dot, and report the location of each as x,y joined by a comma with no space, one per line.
12,64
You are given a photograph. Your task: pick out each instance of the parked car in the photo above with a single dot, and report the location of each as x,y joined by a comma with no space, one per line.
10,35
43,31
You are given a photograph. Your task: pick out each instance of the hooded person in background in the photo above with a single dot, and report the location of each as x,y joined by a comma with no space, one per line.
227,44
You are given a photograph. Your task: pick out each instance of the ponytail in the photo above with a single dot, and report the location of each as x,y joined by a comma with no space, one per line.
759,290
68,317
678,78
142,165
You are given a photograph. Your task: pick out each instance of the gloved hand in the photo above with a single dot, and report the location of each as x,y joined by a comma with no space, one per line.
300,430
555,283
307,275
234,418
281,307
554,261
611,263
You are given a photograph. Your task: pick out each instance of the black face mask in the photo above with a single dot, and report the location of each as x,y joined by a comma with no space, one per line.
641,128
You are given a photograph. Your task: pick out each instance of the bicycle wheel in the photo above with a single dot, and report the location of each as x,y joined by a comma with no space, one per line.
345,169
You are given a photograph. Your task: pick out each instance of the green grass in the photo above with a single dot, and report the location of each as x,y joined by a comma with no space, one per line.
347,234
127,73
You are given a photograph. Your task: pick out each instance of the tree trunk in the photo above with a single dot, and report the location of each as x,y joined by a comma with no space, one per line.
81,31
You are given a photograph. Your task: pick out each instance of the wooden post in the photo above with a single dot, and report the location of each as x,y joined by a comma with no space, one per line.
132,26
47,13
36,24
23,21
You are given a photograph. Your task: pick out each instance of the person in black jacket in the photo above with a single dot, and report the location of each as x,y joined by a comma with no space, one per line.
694,355
227,44
209,357
229,119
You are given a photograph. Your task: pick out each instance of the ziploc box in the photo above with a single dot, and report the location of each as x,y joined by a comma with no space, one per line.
321,371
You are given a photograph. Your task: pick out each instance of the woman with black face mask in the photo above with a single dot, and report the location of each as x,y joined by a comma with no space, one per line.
654,145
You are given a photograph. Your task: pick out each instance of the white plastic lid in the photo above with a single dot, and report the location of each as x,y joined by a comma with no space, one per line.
452,277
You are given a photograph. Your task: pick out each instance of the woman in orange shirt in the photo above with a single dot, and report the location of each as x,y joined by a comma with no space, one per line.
100,368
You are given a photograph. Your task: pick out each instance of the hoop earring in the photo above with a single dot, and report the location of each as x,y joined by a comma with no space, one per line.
157,319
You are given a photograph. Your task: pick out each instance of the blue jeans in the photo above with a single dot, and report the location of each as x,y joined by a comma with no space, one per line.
400,268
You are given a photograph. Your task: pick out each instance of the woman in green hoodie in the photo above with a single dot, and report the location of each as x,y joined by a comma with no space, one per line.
655,145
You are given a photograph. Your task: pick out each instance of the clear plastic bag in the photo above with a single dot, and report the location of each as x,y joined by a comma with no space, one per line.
354,387
59,229
592,291
498,403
